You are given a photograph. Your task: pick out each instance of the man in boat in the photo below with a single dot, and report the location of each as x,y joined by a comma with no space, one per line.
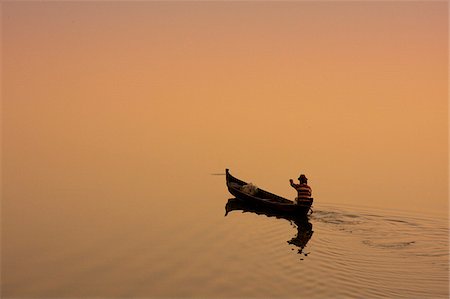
303,190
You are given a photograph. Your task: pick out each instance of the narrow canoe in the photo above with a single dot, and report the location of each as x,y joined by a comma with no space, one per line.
266,200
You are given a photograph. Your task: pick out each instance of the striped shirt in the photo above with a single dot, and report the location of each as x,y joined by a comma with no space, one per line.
303,191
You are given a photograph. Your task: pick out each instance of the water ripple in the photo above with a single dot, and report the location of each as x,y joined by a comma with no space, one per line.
338,253
366,254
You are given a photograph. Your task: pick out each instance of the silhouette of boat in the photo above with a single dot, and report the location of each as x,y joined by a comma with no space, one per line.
304,227
262,199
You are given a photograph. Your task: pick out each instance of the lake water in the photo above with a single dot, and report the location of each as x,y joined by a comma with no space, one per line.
192,250
118,119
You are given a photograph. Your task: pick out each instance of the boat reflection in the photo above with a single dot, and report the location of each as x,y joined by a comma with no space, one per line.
304,227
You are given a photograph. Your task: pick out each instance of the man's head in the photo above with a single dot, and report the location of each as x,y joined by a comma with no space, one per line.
302,178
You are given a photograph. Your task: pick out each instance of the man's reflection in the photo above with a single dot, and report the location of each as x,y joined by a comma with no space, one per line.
304,227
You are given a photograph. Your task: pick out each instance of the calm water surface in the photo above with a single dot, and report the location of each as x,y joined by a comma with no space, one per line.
166,250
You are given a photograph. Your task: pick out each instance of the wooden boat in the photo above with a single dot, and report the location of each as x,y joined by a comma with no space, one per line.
266,200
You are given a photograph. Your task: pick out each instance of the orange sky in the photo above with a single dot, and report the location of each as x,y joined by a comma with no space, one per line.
352,93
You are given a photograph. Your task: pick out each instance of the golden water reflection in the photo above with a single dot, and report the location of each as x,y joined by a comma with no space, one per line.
304,227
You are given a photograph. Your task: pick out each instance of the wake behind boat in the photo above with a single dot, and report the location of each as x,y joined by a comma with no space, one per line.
266,200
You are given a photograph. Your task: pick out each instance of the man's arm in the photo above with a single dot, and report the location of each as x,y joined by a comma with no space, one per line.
292,183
